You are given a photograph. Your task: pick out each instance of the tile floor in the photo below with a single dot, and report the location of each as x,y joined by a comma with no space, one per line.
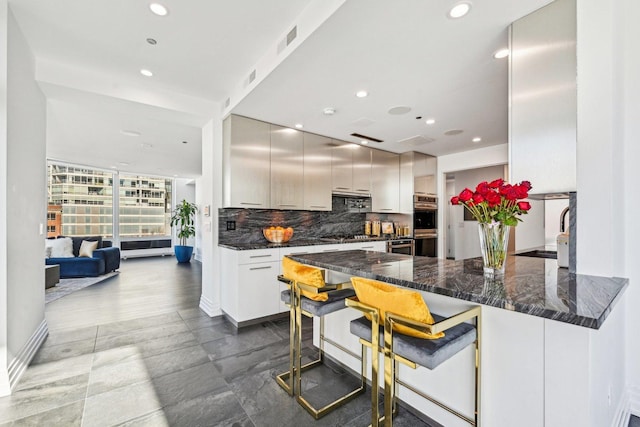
135,350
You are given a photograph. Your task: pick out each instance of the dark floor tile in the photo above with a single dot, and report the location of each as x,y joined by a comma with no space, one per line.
153,419
212,409
212,333
166,344
121,405
38,399
43,373
190,313
64,336
188,384
247,339
259,391
68,416
51,353
253,361
117,328
139,335
204,321
177,360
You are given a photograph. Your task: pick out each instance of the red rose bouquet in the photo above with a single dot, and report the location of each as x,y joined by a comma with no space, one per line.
496,201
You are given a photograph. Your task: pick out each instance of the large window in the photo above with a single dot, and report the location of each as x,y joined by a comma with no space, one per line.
145,206
81,203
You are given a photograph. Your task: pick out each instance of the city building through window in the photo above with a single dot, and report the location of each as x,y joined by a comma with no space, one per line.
81,203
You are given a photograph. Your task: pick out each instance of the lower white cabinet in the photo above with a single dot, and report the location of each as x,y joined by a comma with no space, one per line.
250,289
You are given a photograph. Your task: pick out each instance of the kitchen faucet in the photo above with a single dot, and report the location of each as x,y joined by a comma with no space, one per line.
563,216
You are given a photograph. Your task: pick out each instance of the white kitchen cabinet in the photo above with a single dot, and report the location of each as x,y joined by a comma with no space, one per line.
250,289
246,165
317,172
287,168
543,98
417,176
351,168
361,169
385,185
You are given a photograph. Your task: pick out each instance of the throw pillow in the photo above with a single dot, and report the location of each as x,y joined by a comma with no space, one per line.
61,248
87,248
386,297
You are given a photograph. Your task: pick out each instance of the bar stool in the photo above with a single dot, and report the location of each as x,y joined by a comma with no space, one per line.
414,339
309,295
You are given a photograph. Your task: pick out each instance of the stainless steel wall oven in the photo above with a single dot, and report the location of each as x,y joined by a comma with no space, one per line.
425,225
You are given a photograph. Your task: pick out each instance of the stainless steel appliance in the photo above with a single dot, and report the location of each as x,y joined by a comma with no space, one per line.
425,225
404,246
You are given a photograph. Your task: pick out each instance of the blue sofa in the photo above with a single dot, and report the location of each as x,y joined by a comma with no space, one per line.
105,259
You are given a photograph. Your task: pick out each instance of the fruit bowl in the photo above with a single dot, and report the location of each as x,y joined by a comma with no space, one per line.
277,234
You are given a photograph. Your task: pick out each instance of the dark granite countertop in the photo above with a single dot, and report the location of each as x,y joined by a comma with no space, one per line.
533,286
302,242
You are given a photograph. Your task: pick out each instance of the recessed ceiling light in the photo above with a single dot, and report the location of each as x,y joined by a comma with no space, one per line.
130,132
453,132
151,41
158,9
502,53
364,142
298,125
401,109
146,72
362,94
476,139
430,121
459,10
329,111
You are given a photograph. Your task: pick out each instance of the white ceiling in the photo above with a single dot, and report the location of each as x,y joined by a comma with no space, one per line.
403,52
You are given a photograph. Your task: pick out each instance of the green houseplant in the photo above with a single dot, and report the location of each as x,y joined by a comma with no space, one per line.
183,218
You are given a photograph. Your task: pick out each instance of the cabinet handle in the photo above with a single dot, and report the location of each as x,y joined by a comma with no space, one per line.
363,190
260,256
298,253
367,247
420,192
251,204
328,250
317,206
260,268
286,205
386,209
342,188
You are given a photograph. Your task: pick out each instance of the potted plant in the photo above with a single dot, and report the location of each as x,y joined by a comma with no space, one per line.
183,218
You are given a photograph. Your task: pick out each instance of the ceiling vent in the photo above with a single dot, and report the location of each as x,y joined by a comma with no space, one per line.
368,138
363,122
416,141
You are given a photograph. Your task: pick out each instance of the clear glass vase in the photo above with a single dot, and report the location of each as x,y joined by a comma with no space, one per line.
494,238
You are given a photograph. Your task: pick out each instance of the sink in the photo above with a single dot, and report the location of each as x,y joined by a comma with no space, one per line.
540,254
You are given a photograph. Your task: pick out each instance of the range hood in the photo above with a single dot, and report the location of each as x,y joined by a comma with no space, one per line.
549,196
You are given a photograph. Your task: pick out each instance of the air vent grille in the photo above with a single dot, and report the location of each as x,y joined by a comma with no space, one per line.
368,138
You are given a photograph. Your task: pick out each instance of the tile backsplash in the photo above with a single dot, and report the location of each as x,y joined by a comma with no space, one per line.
306,224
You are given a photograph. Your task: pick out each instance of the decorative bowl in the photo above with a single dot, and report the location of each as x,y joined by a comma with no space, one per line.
277,234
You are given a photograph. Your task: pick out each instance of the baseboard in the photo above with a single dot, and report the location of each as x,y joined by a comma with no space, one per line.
209,307
622,414
19,364
634,399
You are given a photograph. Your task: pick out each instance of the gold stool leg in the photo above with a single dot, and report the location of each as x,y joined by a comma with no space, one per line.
286,379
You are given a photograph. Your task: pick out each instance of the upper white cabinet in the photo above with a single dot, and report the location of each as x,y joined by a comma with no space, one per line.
417,176
246,165
385,171
287,169
350,168
543,113
317,172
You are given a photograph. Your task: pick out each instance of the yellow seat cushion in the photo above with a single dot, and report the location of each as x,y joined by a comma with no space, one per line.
389,298
301,273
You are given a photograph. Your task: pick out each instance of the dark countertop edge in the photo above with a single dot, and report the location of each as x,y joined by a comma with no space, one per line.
527,309
294,244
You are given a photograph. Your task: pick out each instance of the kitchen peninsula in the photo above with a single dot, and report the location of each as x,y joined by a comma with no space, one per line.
545,333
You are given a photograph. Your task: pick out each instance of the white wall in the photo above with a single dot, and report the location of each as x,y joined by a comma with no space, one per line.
210,193
23,203
626,120
185,189
480,158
